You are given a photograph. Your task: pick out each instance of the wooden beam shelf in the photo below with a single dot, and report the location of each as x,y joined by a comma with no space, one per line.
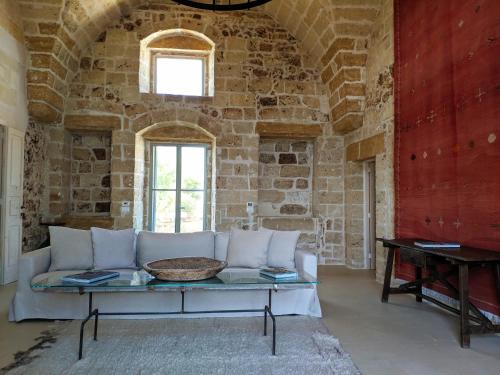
288,130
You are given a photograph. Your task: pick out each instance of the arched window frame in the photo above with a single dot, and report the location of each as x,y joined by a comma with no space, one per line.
149,56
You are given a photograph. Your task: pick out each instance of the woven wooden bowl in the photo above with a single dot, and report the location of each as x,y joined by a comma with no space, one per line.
185,269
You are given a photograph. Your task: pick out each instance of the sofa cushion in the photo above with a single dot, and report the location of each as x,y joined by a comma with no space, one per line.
282,249
154,246
113,248
71,249
248,248
221,244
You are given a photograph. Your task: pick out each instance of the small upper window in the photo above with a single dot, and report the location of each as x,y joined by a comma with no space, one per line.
179,76
177,62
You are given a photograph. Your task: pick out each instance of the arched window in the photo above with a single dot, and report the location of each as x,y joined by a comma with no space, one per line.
177,62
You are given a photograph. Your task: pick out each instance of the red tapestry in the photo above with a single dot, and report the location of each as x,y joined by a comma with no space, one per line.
447,146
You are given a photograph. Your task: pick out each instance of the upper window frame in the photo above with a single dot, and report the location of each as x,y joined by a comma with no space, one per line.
150,50
180,54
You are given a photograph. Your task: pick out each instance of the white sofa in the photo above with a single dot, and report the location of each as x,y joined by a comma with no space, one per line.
29,304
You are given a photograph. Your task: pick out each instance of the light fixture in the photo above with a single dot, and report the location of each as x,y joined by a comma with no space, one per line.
222,5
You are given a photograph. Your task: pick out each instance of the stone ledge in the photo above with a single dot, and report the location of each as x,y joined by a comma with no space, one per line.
41,111
92,122
348,123
365,149
86,222
288,130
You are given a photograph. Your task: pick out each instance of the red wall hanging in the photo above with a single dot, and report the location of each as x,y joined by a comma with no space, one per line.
447,146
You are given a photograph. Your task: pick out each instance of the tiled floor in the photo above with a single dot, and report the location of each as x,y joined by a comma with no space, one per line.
401,337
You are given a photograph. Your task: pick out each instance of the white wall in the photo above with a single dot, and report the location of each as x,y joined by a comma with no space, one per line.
13,101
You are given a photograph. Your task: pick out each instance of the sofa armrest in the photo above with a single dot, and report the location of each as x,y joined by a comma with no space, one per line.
32,264
306,262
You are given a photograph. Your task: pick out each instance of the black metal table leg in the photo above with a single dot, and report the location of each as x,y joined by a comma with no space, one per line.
273,318
92,313
269,303
418,276
388,274
463,272
267,310
496,271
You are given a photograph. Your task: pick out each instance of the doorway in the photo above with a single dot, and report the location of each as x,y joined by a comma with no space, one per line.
370,214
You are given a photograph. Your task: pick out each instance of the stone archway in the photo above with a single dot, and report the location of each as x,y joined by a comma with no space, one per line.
170,132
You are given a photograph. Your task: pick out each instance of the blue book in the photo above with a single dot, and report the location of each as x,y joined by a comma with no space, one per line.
436,245
278,273
90,277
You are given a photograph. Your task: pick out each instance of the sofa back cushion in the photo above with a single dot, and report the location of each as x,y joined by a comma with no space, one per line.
71,249
282,249
154,246
221,245
248,248
113,248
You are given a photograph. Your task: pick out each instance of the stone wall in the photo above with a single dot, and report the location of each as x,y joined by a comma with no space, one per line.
262,74
90,174
285,177
375,140
13,112
336,33
338,76
35,149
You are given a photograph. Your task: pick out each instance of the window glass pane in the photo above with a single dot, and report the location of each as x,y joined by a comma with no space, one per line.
179,76
192,211
164,205
166,165
193,168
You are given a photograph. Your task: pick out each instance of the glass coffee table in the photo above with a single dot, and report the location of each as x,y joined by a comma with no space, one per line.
141,282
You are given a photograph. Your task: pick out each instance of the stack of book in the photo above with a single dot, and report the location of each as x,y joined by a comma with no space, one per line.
278,273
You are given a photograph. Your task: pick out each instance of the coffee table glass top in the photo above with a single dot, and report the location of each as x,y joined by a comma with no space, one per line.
135,281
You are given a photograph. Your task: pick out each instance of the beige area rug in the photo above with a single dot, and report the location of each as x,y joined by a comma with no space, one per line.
187,346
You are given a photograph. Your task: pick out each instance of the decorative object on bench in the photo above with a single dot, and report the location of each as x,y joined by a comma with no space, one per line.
185,269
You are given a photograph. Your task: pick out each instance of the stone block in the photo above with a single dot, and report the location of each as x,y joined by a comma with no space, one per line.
337,45
45,94
80,154
293,209
302,224
295,171
283,184
43,112
101,207
350,59
90,122
40,43
271,196
302,183
344,107
287,159
348,123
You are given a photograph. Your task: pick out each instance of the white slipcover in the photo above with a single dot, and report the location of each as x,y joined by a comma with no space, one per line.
29,304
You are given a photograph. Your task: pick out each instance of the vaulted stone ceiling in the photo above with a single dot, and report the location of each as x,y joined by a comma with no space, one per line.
334,32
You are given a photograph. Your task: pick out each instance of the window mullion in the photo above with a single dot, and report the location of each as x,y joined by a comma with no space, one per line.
178,184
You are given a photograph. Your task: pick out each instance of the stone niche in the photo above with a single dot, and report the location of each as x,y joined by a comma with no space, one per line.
90,183
285,178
